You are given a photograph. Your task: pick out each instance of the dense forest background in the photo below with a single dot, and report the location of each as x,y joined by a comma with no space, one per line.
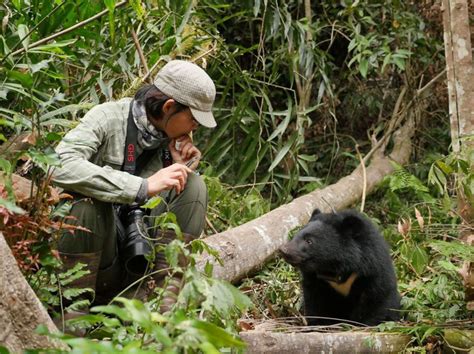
304,88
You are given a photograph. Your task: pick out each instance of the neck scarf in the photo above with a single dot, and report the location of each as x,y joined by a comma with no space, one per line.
148,136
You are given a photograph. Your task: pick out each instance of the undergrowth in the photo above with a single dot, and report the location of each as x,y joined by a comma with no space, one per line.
422,226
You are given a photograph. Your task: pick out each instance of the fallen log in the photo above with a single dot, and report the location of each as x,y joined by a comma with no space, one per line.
459,340
317,342
245,248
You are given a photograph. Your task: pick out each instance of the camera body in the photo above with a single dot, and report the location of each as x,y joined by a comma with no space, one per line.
135,245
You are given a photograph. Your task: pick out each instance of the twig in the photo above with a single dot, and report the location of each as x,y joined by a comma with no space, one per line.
145,78
140,53
364,179
392,125
431,83
250,185
70,29
214,46
208,222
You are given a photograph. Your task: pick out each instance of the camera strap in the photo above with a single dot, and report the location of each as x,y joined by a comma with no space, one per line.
132,163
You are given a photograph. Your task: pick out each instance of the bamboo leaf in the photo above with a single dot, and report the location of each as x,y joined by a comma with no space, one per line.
282,153
22,32
280,129
66,109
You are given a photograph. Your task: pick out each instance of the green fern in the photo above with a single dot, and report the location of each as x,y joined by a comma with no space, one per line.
73,274
78,305
72,293
401,179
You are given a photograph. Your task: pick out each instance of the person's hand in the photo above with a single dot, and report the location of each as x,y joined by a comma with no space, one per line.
187,151
174,176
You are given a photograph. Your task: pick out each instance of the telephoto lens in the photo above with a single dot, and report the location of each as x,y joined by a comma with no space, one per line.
136,243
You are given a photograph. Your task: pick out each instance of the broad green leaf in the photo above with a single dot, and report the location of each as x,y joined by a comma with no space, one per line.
24,78
419,259
11,206
43,64
241,300
217,335
44,159
364,67
17,4
386,61
22,32
5,166
399,62
152,202
53,137
208,348
138,312
444,167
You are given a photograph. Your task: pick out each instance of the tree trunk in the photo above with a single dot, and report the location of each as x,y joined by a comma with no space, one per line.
20,310
457,44
245,248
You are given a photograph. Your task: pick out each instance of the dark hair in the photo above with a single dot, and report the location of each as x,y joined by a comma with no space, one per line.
154,100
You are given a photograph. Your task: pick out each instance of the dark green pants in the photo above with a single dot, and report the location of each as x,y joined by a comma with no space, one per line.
101,219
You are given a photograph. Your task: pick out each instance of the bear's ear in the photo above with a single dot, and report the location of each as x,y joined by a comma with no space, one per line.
314,214
351,224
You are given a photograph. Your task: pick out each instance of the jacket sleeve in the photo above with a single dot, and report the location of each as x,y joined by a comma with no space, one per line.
78,174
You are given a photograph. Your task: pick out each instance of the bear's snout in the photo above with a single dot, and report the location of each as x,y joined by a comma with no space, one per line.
289,255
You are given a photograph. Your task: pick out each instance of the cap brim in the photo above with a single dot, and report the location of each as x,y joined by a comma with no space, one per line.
206,119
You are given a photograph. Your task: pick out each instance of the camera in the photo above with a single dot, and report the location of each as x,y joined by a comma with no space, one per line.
134,241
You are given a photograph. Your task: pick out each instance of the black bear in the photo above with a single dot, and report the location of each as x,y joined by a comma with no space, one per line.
348,275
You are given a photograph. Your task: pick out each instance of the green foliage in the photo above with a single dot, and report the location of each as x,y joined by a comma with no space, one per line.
427,253
295,95
454,171
275,291
203,318
280,76
228,207
53,288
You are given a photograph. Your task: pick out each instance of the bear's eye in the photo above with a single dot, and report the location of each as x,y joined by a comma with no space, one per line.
308,241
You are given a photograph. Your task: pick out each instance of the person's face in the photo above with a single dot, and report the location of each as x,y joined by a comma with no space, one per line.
175,124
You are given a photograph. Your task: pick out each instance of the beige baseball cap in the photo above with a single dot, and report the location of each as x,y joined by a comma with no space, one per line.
190,85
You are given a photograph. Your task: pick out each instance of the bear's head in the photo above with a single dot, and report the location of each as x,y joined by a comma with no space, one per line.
331,244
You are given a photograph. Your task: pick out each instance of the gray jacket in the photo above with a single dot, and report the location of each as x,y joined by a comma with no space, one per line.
92,155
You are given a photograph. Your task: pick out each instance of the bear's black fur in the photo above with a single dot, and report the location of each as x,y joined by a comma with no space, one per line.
346,268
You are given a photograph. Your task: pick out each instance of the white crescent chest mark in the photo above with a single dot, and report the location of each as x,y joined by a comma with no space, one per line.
344,288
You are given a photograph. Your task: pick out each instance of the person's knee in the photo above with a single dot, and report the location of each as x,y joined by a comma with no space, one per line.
196,189
94,219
